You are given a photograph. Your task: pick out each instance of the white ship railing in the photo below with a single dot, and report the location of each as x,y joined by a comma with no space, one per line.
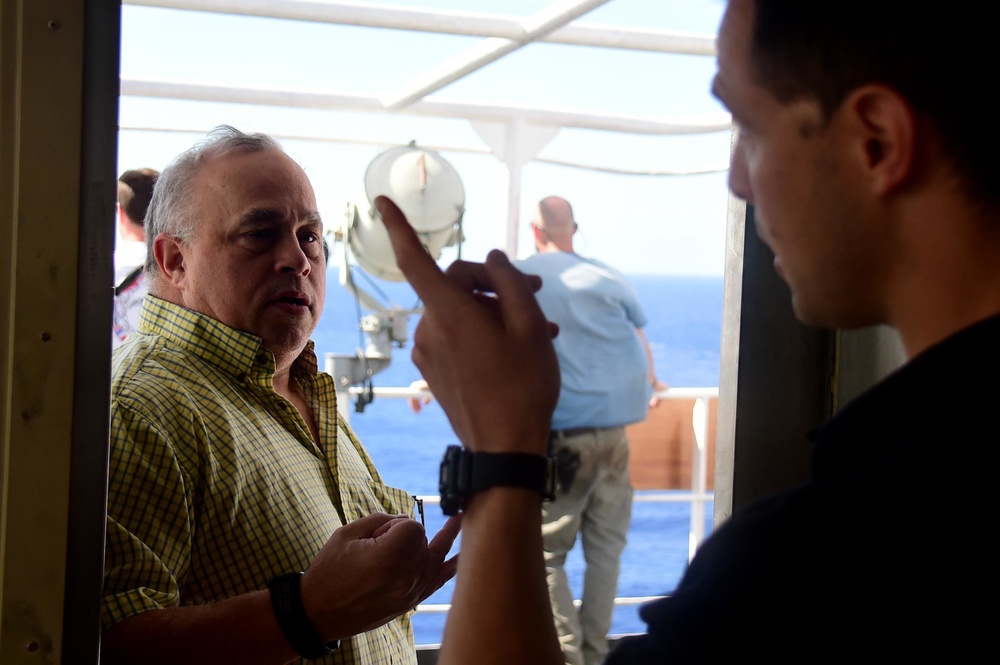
698,496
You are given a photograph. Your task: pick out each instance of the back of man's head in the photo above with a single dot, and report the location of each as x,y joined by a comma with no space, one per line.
556,215
933,56
554,225
135,191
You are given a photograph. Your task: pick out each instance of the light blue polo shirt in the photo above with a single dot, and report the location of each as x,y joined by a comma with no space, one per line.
605,377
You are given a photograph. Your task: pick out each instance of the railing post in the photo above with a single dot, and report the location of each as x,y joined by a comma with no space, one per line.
699,473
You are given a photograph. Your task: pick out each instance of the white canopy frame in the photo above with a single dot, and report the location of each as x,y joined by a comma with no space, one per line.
515,134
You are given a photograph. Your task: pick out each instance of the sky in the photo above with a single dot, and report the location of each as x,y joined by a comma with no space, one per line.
660,225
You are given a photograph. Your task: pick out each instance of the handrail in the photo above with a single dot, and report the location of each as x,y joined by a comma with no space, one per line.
669,393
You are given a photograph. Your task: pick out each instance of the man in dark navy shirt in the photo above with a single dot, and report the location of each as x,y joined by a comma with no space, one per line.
864,144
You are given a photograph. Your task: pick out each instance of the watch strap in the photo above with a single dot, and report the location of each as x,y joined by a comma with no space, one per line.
286,600
464,473
507,470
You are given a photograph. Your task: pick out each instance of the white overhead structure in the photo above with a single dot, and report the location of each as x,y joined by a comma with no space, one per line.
538,25
515,134
473,24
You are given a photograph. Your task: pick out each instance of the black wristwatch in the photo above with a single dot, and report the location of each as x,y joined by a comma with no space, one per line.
464,473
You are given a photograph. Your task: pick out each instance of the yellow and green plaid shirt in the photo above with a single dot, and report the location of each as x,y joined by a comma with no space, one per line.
215,483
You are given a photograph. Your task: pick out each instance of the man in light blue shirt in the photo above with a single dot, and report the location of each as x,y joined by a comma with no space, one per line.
608,382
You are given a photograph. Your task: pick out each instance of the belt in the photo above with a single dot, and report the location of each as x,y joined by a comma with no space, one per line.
578,431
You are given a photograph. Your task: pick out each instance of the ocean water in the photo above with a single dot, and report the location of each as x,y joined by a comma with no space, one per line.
685,315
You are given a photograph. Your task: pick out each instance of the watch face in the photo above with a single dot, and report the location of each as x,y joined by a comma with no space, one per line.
551,478
448,484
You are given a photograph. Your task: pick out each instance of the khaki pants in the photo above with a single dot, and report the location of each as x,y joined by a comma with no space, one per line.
598,506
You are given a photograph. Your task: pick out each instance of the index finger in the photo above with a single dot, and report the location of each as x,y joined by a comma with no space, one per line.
419,267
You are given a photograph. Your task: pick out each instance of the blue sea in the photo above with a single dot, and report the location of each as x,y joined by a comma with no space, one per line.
685,319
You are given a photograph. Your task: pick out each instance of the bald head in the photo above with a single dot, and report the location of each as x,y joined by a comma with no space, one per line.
554,224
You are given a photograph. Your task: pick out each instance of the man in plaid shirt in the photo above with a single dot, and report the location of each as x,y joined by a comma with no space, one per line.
246,522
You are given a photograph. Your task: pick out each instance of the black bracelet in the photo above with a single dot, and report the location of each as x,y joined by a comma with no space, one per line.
286,599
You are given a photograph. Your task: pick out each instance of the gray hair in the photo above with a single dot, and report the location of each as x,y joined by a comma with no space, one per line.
171,210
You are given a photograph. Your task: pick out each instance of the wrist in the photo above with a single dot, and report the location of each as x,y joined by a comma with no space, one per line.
529,439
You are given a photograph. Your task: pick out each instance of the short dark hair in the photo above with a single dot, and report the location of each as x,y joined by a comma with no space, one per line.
934,58
135,191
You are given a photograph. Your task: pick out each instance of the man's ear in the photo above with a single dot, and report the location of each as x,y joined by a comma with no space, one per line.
168,251
886,135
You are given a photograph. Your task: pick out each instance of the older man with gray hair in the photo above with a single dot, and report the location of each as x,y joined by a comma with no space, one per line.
246,522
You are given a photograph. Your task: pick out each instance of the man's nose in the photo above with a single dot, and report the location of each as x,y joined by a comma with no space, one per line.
292,258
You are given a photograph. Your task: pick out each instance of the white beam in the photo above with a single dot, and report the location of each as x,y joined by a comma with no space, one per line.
445,147
447,22
544,116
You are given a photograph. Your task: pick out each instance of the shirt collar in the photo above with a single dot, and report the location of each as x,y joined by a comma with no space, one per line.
887,419
234,352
